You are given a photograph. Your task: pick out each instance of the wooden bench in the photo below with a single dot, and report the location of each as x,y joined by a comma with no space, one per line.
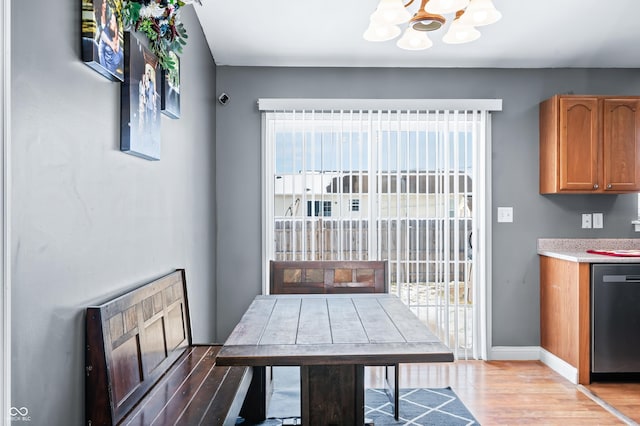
335,276
142,368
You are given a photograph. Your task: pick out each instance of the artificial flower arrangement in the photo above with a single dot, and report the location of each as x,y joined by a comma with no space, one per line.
159,21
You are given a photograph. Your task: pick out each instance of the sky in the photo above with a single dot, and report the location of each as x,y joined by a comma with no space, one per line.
398,151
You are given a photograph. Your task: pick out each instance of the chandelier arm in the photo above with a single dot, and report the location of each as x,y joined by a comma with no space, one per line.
409,4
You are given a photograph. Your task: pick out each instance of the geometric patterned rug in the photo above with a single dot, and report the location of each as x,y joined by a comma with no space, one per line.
418,407
433,407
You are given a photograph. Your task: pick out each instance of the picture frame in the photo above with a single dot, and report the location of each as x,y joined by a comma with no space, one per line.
103,37
140,99
170,102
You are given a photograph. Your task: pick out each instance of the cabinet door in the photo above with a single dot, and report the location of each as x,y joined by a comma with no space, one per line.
621,144
564,312
579,144
579,148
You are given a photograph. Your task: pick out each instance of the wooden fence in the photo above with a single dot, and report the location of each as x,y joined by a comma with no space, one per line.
415,248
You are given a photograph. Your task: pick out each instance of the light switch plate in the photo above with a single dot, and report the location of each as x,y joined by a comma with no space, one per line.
586,220
505,214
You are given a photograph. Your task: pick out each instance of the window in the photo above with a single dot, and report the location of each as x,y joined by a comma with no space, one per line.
318,208
355,205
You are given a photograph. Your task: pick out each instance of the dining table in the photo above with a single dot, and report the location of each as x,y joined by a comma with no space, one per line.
331,337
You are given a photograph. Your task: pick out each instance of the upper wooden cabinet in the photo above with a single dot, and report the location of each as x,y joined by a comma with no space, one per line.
590,144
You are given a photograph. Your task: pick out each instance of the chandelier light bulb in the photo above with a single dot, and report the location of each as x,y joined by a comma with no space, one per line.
390,12
414,40
480,12
459,33
480,15
381,32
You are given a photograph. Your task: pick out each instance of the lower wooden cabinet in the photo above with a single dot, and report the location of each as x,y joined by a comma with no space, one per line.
565,313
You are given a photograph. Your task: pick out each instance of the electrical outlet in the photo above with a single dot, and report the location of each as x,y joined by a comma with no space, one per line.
598,220
505,214
586,220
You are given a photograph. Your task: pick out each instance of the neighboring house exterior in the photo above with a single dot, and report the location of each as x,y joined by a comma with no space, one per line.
420,195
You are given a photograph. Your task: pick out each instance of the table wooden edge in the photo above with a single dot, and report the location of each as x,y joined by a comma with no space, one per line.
291,355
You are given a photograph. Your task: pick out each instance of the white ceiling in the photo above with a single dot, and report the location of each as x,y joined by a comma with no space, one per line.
328,33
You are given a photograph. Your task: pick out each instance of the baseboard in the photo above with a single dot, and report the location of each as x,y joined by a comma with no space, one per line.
530,353
514,353
559,365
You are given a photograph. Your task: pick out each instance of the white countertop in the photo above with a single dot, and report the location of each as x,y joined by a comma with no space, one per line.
575,249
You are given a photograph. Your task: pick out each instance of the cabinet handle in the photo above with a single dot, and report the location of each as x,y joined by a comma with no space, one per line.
609,186
596,186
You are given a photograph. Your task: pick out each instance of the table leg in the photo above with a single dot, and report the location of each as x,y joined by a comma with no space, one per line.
332,394
392,387
255,404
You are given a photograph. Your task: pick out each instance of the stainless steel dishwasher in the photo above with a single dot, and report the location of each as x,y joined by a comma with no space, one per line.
615,319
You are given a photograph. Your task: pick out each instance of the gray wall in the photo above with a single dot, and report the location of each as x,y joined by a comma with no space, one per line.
514,177
87,220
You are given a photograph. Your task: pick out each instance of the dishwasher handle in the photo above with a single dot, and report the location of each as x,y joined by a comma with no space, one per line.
621,278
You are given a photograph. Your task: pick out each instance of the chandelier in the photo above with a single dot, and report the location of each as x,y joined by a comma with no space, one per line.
384,22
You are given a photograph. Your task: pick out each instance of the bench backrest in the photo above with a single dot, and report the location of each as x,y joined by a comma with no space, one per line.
328,276
131,342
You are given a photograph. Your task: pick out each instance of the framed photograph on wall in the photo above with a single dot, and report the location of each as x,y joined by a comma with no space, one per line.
140,110
103,37
170,104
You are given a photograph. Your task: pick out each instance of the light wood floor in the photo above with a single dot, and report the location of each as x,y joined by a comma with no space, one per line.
521,392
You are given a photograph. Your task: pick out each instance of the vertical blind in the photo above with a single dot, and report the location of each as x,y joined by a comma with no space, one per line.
359,182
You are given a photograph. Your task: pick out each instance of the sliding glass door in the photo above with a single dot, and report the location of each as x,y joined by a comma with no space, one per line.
395,185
